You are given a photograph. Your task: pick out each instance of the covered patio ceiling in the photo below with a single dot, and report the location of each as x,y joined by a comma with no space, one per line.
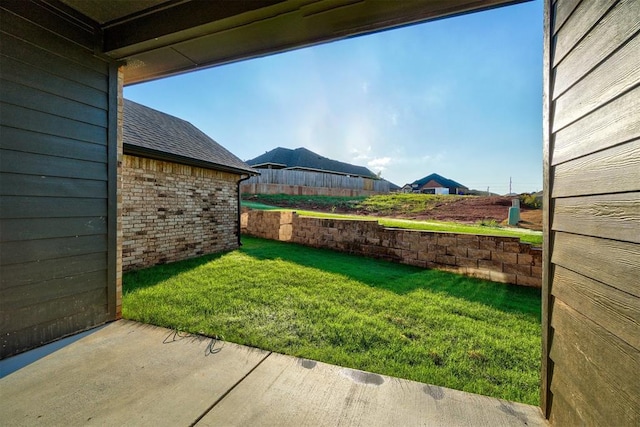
158,38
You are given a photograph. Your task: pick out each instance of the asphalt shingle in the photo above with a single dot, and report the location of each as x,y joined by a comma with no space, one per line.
162,133
307,159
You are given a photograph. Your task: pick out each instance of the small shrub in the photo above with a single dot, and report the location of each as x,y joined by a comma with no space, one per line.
531,201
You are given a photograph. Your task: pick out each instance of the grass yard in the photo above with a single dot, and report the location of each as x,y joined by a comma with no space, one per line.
424,325
527,236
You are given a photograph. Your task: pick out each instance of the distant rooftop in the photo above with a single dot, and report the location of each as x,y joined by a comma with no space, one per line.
301,158
445,182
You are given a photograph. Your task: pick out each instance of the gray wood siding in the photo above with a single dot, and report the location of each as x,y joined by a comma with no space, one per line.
591,309
317,179
57,207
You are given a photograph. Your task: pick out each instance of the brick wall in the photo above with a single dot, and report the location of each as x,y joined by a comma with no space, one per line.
172,212
501,259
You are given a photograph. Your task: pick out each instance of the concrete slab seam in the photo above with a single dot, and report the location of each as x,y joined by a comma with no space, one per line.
237,383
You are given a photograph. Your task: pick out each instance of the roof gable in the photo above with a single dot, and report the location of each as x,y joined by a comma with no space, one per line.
445,182
301,158
156,134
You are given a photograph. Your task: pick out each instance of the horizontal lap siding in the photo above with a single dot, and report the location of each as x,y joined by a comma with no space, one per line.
593,268
54,171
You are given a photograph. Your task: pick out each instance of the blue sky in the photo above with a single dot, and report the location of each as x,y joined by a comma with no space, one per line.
461,97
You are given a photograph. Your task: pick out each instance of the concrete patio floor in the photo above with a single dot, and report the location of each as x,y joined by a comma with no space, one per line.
129,373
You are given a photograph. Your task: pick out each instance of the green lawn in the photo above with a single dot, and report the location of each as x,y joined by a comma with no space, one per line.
424,325
528,236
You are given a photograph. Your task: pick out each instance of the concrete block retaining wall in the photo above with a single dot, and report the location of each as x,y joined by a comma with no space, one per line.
501,259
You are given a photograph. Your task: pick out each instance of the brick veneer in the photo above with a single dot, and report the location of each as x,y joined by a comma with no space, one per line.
172,212
501,259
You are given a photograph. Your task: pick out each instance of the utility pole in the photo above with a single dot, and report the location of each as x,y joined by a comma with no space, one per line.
509,185
488,194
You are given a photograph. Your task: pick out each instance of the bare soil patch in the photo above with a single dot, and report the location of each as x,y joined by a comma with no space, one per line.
464,210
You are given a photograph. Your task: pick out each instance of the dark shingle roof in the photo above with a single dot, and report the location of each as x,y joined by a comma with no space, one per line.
155,134
445,182
303,158
392,186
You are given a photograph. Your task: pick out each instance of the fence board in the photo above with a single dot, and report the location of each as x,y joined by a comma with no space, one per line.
317,179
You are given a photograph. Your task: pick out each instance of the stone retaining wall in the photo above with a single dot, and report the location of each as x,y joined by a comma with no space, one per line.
501,259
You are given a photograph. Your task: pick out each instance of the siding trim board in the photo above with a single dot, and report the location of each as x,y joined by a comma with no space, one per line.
546,366
114,150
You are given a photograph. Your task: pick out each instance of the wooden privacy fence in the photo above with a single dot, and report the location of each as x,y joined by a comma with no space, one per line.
318,179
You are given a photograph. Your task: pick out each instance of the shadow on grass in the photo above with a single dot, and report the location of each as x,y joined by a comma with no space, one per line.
140,279
400,278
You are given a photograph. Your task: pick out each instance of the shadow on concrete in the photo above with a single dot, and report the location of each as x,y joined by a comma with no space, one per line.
19,361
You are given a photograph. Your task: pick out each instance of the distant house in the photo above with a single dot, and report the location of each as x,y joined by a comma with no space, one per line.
435,184
180,195
307,160
393,188
301,171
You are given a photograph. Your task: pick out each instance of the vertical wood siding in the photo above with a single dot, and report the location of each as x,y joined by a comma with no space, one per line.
591,353
55,164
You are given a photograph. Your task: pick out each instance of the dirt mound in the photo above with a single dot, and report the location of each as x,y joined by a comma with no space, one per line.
471,209
531,219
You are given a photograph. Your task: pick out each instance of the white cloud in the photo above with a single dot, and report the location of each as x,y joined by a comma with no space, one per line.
379,163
